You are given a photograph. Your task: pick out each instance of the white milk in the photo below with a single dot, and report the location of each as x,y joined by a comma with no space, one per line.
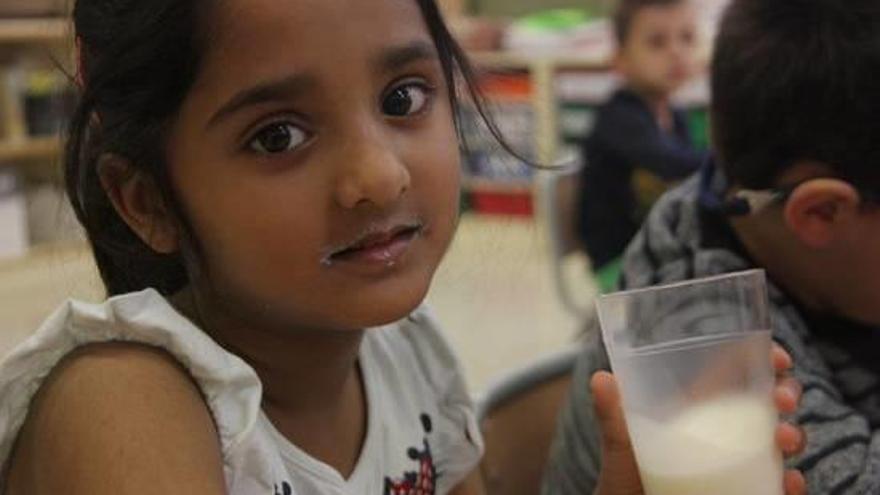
723,446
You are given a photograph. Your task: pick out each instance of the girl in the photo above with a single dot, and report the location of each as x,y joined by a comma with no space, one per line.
261,181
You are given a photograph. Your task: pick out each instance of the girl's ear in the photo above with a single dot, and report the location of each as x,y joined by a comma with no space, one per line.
139,203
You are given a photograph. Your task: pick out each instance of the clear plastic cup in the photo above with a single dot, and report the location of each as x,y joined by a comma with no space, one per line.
693,363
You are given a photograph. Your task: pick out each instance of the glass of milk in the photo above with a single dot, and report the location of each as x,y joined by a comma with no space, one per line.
693,363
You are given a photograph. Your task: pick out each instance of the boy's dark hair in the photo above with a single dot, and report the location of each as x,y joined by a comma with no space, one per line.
796,80
626,12
138,61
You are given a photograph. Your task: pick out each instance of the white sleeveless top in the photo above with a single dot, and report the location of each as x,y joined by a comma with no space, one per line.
422,436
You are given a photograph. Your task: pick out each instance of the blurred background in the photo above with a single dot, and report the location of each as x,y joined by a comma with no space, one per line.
513,288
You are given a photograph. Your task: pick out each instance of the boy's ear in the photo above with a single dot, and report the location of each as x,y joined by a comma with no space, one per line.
139,203
819,210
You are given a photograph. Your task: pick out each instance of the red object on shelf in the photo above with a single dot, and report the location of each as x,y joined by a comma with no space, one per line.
518,204
506,87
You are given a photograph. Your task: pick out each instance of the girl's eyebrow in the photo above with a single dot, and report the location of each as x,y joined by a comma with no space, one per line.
288,88
285,88
399,56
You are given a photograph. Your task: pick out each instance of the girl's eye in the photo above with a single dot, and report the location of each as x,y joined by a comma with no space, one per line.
276,138
406,100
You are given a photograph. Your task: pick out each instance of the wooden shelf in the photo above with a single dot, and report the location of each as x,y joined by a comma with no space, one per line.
30,150
516,61
542,71
21,31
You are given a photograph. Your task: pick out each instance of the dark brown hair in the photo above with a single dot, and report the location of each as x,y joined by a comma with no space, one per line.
796,80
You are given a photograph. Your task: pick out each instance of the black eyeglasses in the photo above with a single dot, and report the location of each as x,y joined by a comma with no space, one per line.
751,201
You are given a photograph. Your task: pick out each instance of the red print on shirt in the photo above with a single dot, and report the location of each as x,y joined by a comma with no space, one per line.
423,481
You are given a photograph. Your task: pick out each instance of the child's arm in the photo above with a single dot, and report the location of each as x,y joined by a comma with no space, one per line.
118,418
472,485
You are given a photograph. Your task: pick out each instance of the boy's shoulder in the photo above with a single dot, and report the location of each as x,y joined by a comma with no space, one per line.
622,107
625,116
681,240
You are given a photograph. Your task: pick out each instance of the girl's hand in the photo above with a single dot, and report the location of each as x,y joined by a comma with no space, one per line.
620,474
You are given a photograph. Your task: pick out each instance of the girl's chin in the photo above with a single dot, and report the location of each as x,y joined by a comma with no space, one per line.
387,309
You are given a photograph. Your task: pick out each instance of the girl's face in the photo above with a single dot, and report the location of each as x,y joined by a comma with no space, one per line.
317,161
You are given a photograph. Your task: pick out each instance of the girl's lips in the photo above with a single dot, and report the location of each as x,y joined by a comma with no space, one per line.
382,248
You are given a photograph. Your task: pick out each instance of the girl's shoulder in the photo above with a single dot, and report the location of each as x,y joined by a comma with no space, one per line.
138,334
111,403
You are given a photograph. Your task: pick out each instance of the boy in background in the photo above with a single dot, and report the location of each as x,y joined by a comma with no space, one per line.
794,189
639,137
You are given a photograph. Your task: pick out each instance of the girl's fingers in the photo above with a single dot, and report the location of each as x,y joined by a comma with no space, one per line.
794,483
782,362
790,439
787,394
